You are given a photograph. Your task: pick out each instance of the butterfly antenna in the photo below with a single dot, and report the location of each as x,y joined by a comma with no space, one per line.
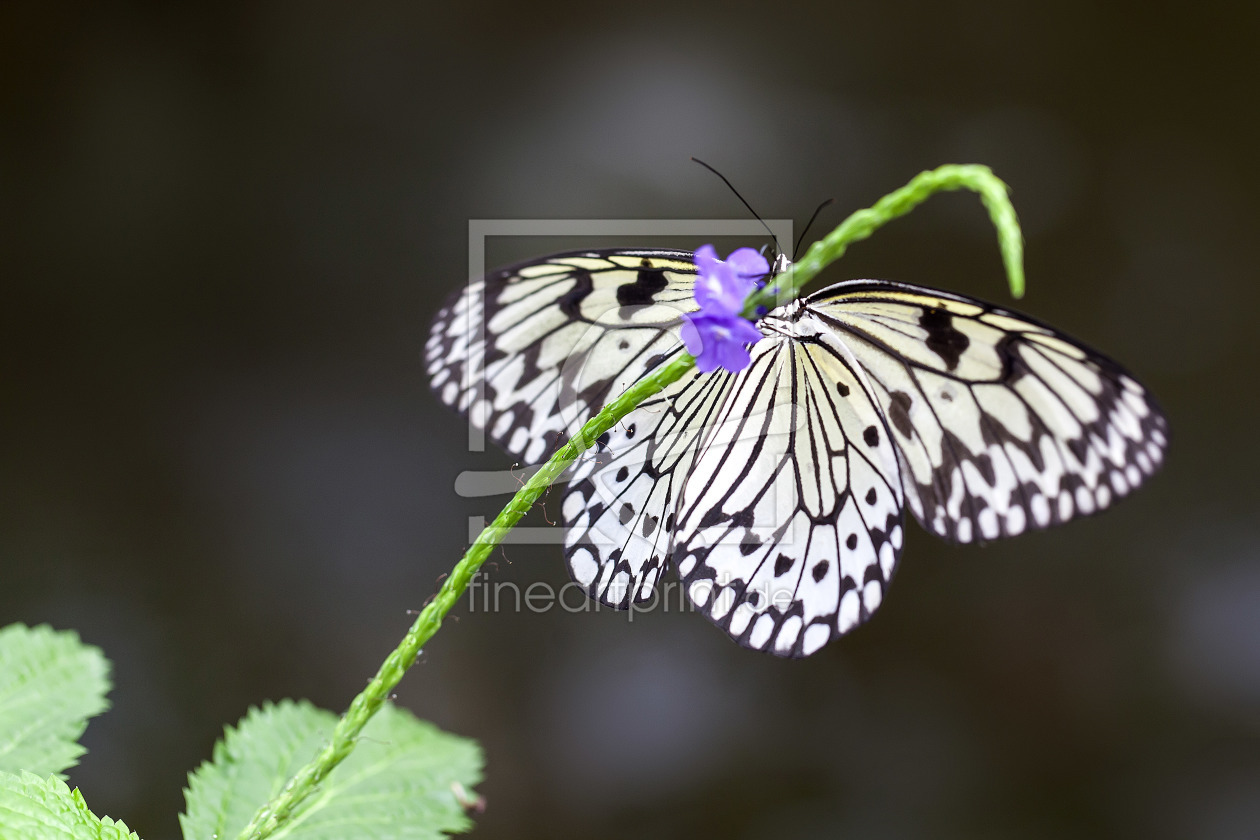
742,201
812,219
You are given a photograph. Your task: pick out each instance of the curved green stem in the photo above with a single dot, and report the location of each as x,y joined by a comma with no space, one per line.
860,225
346,732
863,223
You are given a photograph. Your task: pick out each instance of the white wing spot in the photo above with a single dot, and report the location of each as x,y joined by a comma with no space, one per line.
761,632
584,567
963,534
787,634
619,587
872,595
887,557
1065,505
849,612
816,635
740,618
1015,521
1084,501
1040,510
722,603
988,522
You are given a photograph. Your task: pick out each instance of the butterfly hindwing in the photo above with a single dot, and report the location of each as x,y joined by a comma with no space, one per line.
619,507
530,353
1002,424
790,522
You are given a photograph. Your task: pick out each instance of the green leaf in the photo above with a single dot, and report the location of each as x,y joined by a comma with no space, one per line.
405,779
50,684
35,808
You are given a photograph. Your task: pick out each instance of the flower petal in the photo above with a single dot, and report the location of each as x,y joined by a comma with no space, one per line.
708,362
691,334
748,264
706,258
711,272
744,332
716,291
733,357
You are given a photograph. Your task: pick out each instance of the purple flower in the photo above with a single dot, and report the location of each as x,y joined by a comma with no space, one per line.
718,335
724,286
719,341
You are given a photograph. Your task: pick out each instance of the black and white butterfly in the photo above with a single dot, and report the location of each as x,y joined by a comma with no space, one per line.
778,492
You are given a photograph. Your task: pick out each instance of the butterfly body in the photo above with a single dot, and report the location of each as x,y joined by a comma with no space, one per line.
778,493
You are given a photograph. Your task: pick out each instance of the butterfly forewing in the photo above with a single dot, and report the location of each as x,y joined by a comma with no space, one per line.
1002,424
531,352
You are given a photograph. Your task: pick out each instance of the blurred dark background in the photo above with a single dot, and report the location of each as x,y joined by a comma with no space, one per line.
226,226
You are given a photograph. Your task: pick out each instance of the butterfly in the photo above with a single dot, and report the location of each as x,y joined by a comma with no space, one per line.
778,493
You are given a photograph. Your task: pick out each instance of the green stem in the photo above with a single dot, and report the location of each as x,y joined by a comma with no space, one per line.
346,732
860,225
863,223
